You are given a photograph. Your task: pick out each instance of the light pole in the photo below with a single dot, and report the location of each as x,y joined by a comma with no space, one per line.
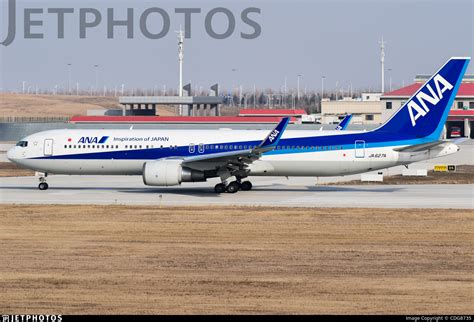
255,96
96,78
234,72
77,89
299,87
322,88
69,78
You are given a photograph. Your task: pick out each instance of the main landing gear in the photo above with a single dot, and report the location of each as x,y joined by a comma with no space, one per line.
43,185
233,187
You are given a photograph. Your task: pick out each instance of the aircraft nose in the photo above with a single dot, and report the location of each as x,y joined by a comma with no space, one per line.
11,154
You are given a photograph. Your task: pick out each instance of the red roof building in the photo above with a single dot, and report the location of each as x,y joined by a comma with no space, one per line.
466,90
276,112
177,119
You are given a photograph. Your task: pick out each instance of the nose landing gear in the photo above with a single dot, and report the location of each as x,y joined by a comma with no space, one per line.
43,185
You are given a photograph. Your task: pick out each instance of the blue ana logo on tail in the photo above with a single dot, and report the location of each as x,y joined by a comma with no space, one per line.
432,98
89,140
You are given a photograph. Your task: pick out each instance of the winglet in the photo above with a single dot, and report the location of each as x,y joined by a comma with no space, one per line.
273,138
344,123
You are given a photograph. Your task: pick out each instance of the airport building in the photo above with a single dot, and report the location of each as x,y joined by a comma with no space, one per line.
365,110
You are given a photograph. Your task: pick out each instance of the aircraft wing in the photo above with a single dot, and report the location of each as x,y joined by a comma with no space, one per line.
237,160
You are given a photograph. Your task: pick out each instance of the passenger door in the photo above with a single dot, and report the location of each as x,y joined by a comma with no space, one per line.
48,147
359,149
192,148
201,148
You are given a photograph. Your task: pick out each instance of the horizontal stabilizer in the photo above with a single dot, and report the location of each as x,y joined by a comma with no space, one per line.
419,147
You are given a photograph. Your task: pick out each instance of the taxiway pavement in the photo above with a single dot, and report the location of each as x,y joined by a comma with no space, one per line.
268,191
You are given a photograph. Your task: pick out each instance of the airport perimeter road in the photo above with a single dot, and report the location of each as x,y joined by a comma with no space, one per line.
280,192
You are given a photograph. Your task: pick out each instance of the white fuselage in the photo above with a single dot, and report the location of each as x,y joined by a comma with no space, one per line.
124,152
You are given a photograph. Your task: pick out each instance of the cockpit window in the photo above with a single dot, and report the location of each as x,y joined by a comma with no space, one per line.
22,144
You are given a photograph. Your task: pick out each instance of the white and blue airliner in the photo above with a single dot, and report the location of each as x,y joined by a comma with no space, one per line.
170,157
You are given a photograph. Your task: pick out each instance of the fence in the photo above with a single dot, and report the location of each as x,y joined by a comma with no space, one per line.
34,119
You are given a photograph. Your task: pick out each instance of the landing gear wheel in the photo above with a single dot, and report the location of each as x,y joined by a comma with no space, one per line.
219,188
233,187
246,186
43,186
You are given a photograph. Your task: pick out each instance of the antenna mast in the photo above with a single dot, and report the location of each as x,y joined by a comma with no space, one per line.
180,59
382,61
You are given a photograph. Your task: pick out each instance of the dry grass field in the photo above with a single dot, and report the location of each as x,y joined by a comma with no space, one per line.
58,105
117,259
8,169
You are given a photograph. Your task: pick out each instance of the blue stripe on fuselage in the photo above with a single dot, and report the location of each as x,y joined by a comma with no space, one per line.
345,142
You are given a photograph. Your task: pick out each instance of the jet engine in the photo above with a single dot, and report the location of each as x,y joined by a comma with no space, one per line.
167,173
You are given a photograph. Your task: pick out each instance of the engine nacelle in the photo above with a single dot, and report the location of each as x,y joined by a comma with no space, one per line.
167,173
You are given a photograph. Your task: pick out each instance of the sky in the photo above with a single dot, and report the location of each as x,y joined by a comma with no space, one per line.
338,39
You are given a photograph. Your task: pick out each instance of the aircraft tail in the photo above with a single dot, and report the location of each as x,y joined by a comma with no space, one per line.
344,123
425,113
